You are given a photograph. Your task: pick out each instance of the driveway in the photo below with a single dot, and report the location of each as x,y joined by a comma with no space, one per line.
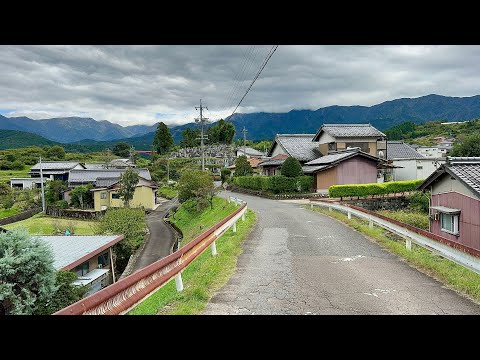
161,238
296,261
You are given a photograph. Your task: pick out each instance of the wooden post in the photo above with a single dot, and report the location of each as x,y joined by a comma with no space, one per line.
111,264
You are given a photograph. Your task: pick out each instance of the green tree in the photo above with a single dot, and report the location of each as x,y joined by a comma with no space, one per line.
128,184
54,191
263,145
163,140
470,147
196,185
190,138
242,166
225,174
221,133
122,149
56,152
291,167
27,274
129,222
66,294
81,196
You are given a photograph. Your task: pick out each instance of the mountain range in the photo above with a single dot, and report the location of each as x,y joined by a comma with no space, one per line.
260,125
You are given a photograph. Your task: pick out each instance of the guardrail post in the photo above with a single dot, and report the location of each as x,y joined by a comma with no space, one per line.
214,249
234,227
349,214
370,222
179,282
408,244
329,208
243,215
311,205
229,199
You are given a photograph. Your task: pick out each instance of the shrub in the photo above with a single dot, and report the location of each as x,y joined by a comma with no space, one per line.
127,221
61,204
278,184
305,183
420,201
225,174
414,218
8,202
291,167
373,189
17,165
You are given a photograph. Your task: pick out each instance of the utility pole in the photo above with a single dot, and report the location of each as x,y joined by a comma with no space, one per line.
244,141
202,120
41,184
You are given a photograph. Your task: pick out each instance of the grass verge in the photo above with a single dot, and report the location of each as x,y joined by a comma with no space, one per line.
415,218
202,278
46,225
167,192
451,274
8,212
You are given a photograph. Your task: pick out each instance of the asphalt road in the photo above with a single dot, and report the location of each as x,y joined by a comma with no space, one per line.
297,261
161,238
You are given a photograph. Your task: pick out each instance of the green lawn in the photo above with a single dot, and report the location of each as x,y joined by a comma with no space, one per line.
206,274
167,192
5,175
8,212
194,223
45,225
453,275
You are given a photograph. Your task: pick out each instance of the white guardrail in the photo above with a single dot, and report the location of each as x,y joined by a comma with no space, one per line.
456,255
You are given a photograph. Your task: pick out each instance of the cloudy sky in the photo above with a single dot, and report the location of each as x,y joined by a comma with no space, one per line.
146,84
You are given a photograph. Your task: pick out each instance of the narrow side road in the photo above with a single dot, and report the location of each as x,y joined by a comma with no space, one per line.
161,238
296,261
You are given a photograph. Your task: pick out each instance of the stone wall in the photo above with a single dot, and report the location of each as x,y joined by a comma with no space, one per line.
374,204
19,217
75,213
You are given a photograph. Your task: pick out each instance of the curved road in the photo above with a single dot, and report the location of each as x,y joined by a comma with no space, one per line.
297,261
160,240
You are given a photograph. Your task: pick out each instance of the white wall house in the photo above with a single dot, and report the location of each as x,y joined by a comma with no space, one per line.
411,165
432,151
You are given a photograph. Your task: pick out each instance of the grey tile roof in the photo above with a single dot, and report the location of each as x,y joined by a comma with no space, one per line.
400,150
55,165
299,146
313,169
68,249
95,166
90,175
349,130
468,173
339,156
250,151
272,162
106,182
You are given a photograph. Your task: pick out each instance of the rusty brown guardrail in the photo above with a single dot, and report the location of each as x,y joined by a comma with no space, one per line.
125,294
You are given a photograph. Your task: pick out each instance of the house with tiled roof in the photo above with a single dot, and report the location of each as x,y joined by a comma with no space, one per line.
55,170
338,137
351,166
455,200
409,163
249,152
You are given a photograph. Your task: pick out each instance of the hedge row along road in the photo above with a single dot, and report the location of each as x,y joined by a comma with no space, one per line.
300,262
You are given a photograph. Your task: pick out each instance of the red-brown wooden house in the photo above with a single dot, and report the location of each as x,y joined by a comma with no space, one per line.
455,200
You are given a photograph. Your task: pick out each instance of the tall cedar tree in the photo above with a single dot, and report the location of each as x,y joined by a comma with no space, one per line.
27,274
128,183
291,167
163,140
242,166
190,138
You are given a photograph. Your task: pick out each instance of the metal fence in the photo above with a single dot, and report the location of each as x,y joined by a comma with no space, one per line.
458,253
124,295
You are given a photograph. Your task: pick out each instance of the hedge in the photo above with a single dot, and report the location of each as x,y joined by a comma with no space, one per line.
278,184
390,187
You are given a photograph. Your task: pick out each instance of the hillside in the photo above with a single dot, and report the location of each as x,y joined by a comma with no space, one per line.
261,125
12,139
72,129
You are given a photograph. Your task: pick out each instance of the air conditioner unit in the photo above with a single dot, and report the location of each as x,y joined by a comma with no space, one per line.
100,266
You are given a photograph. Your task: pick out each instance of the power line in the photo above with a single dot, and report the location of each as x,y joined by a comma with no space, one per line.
269,55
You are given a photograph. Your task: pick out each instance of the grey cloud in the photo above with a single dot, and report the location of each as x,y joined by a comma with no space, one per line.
131,84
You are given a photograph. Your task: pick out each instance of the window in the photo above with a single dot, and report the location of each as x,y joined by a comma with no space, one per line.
332,146
103,195
82,269
115,196
103,260
362,145
419,167
449,223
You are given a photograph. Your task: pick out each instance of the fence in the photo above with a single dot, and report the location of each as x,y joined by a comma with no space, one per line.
19,217
125,294
458,253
